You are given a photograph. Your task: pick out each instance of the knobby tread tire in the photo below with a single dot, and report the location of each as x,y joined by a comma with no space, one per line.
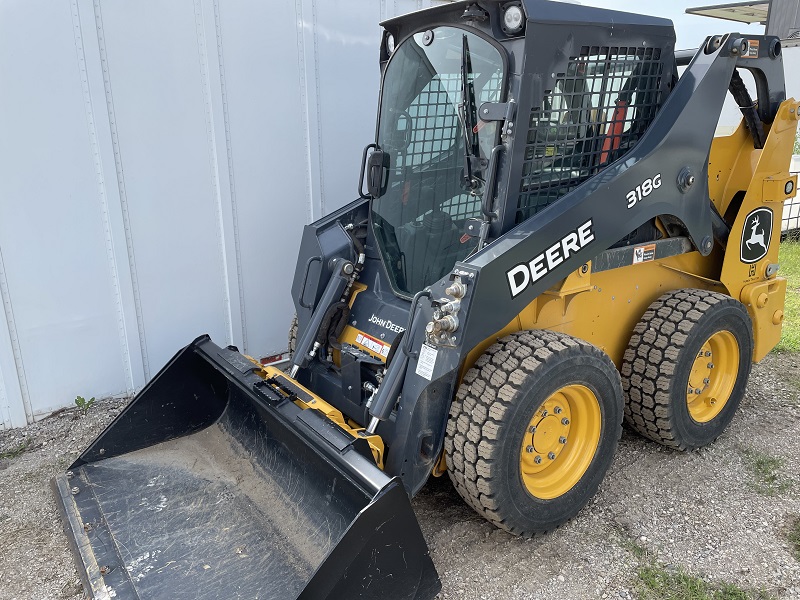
654,366
480,420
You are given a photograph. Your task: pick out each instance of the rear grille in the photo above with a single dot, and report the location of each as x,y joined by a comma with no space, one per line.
594,114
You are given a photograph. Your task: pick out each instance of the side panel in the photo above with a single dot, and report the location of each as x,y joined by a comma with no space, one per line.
752,254
58,298
159,78
266,166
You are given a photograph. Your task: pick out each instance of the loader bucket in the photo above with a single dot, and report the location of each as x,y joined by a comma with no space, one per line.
211,485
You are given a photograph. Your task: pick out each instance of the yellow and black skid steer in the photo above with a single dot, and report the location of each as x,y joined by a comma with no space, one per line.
548,241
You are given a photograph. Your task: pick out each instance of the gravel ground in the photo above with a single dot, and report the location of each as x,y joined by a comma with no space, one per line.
706,512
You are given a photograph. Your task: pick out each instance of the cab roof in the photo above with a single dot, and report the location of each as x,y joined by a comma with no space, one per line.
543,11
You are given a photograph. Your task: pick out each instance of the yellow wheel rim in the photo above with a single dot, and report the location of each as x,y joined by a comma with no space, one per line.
560,442
713,376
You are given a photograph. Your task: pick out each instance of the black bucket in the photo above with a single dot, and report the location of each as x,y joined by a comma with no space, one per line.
211,485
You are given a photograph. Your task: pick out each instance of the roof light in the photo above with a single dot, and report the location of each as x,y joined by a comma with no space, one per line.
389,43
513,19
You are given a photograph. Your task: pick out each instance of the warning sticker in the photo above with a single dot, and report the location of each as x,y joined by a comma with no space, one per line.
752,51
644,253
370,343
427,361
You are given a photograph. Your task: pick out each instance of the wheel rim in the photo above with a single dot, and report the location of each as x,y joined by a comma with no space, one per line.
560,442
713,376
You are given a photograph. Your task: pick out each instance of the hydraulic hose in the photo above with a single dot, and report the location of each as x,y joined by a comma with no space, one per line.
308,344
742,97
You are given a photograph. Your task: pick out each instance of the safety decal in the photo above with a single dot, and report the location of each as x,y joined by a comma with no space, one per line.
644,253
370,343
752,49
427,361
756,235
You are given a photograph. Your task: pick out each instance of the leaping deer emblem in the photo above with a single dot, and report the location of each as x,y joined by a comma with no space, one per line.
756,238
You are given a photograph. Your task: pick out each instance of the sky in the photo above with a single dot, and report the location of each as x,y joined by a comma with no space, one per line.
691,30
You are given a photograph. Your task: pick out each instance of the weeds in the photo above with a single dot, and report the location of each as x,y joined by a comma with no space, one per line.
639,552
83,404
659,584
789,258
764,469
18,450
793,535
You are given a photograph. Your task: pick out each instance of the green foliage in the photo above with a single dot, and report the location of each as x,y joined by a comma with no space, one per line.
797,143
793,535
789,259
639,552
83,404
764,470
16,450
660,584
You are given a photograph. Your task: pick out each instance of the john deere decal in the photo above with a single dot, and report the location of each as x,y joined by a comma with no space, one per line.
756,235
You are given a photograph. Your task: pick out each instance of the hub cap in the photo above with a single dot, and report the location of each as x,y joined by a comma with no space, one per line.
560,441
713,376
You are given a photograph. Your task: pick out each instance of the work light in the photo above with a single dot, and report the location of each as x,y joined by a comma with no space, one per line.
513,19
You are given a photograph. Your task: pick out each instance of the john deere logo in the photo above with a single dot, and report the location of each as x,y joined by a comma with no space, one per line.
756,235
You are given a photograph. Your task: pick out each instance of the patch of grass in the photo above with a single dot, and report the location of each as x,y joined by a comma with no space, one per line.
639,552
83,404
764,469
789,259
18,450
793,535
659,584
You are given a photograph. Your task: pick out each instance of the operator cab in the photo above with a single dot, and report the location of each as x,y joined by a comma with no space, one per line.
579,108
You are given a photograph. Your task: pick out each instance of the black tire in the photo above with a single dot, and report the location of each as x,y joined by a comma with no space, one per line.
293,336
658,367
495,404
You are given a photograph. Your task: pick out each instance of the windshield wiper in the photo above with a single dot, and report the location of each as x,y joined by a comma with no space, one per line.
472,161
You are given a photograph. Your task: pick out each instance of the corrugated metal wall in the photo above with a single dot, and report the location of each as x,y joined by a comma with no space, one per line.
157,163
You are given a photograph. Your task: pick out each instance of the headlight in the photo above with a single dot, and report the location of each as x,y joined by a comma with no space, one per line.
513,19
389,43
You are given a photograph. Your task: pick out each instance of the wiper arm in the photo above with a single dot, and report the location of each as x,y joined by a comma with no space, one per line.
467,114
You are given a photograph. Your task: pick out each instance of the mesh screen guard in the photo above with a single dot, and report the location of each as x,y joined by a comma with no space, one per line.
597,110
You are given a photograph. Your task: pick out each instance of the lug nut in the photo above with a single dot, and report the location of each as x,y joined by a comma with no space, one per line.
544,413
565,421
698,391
708,353
532,429
710,365
713,401
562,440
538,460
529,449
557,410
551,455
691,391
706,381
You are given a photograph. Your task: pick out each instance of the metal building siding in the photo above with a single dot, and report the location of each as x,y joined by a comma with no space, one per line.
57,291
157,164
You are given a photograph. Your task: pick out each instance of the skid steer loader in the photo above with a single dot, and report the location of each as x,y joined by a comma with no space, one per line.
548,241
